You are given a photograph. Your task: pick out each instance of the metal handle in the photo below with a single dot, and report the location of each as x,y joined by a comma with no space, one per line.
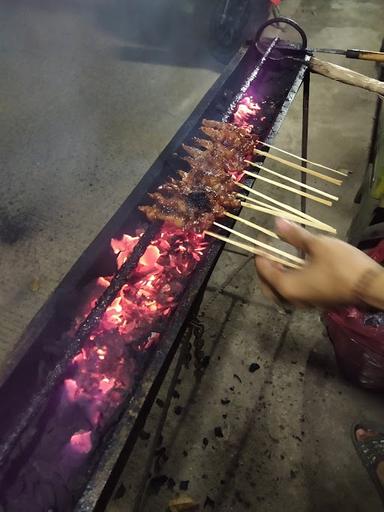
282,19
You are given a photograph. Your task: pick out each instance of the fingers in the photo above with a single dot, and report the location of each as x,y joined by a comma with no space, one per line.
269,272
294,234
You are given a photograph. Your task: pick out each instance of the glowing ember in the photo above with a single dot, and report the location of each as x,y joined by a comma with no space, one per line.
71,389
123,248
81,441
102,374
246,113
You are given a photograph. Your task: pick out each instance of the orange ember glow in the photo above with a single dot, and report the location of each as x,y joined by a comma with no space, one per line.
102,372
245,113
81,441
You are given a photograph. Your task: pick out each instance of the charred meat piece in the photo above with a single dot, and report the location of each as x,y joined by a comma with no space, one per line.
208,190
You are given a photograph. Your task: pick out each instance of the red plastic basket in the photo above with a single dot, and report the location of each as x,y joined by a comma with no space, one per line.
359,348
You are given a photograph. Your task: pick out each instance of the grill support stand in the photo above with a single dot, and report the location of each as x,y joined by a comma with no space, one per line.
196,329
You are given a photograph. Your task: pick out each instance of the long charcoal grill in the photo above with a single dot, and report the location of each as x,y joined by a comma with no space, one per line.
61,449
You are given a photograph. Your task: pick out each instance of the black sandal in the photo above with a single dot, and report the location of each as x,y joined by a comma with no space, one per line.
371,451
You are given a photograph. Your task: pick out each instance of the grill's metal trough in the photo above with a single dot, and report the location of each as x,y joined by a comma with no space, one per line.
30,392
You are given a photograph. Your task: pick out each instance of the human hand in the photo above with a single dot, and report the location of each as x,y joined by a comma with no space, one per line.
332,275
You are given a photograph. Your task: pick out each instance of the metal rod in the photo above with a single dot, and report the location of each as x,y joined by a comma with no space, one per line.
139,501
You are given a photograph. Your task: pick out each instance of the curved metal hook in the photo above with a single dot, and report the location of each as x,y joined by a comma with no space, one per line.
288,21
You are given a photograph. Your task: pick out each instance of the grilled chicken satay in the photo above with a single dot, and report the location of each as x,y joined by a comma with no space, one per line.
208,190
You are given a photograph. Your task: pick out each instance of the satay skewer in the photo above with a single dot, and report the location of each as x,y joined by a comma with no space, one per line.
284,206
288,216
300,168
260,244
291,180
304,159
252,225
252,250
277,184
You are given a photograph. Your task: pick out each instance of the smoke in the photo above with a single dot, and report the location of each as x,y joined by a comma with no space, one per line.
91,92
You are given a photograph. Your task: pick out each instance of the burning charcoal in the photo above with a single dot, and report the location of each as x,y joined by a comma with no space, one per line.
171,483
160,402
157,482
184,485
144,435
225,401
237,378
253,367
209,503
205,442
218,432
178,410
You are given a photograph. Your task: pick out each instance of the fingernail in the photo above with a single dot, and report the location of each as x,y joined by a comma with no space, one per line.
283,224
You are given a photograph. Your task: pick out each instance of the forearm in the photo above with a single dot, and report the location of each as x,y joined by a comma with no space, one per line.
372,293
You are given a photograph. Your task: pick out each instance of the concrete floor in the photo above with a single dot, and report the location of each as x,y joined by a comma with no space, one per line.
91,93
286,441
86,108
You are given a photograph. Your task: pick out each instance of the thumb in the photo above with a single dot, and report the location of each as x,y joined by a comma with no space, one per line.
294,234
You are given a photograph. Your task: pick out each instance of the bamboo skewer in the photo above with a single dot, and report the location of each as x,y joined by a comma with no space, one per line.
284,215
291,180
300,168
253,250
295,211
277,210
261,244
260,203
290,189
304,159
252,225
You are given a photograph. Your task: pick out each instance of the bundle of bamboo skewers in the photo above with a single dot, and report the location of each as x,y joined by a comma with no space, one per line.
273,207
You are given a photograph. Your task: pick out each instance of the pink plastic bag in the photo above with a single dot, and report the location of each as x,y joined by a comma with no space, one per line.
359,348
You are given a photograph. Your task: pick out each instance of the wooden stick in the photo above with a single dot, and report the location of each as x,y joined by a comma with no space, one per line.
291,180
252,225
295,211
290,189
260,203
251,249
303,159
284,215
261,244
345,75
300,168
